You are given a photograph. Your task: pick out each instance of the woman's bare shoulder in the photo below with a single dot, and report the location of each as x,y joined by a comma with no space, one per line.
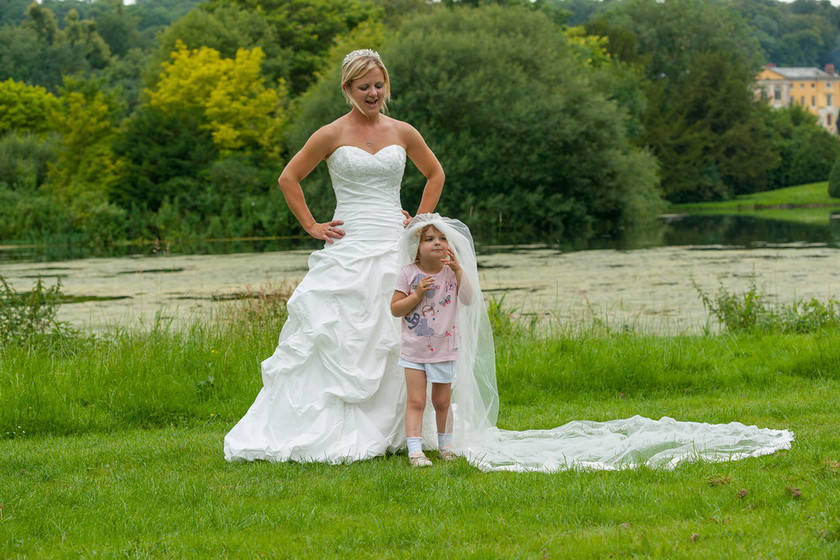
406,133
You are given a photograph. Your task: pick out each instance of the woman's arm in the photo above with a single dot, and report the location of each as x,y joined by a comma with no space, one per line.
426,161
316,149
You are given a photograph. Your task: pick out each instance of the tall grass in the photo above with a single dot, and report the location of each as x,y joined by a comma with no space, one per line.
151,378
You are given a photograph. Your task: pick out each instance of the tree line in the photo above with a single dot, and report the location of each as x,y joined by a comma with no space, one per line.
554,119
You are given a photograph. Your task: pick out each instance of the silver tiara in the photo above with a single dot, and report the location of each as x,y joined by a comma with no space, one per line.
358,54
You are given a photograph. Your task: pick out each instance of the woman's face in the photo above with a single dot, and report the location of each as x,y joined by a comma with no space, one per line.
368,91
433,245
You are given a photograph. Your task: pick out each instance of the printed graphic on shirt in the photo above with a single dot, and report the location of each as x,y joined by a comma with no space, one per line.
429,330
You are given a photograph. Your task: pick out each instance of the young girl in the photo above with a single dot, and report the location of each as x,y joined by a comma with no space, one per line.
426,297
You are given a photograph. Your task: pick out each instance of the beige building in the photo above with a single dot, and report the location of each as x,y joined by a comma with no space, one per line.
812,88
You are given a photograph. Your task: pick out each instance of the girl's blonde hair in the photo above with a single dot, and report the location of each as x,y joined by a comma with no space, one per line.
358,63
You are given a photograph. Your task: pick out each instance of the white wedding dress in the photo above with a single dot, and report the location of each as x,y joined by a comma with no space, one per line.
332,392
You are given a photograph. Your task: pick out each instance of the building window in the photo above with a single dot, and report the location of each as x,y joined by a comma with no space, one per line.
803,101
828,119
777,93
828,100
813,85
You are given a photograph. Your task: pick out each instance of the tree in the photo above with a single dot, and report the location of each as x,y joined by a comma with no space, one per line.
834,180
806,150
39,53
164,153
82,34
306,28
241,112
86,123
527,141
228,28
25,108
711,141
701,122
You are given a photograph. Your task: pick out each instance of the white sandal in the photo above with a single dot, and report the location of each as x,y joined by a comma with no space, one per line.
447,454
419,460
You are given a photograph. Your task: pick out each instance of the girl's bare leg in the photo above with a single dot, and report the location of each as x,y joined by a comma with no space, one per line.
415,385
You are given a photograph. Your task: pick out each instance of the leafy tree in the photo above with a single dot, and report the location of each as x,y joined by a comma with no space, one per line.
527,142
701,122
82,34
834,180
711,141
240,111
24,161
802,33
25,108
39,53
306,28
806,150
86,124
228,28
161,149
12,12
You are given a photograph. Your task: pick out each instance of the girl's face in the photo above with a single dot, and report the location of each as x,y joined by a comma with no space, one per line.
433,245
368,92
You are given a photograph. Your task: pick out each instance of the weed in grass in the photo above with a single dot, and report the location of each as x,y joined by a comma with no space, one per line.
31,315
752,312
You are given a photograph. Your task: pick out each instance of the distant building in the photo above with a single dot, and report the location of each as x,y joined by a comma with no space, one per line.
812,88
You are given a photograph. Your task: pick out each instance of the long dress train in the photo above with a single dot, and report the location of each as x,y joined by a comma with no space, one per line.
332,390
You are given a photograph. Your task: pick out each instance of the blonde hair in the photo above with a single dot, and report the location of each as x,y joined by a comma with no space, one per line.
358,63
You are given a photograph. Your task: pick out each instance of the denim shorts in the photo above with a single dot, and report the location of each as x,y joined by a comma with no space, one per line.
440,372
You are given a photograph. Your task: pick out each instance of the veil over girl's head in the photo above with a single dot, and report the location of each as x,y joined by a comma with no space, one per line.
475,400
457,233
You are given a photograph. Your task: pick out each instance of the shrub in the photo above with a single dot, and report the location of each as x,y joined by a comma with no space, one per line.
834,180
751,312
25,316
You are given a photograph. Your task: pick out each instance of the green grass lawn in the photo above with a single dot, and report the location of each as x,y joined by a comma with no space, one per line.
803,203
122,455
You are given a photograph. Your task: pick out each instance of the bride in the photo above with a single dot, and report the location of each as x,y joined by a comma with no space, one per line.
333,392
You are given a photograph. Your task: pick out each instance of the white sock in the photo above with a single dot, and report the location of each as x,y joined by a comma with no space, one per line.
444,440
415,445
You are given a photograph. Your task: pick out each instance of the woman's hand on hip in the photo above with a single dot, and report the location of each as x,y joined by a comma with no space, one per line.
328,231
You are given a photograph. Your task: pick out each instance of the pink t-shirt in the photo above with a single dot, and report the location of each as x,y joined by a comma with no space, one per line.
429,331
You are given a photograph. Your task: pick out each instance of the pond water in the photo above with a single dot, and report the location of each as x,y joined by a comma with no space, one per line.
669,231
648,283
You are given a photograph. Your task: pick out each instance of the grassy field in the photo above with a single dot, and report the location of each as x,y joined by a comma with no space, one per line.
808,204
112,447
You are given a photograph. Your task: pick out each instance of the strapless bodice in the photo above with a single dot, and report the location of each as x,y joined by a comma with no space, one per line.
367,191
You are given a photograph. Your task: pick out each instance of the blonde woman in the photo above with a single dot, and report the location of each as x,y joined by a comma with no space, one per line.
333,391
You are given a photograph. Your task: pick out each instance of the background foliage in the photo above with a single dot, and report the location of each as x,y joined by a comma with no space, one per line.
554,119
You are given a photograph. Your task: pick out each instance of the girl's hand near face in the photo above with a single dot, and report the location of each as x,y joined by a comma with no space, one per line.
451,260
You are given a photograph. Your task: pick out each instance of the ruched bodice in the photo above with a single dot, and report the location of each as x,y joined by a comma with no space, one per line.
367,191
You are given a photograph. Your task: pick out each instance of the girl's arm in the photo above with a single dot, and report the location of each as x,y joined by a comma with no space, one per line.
402,303
464,288
316,149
